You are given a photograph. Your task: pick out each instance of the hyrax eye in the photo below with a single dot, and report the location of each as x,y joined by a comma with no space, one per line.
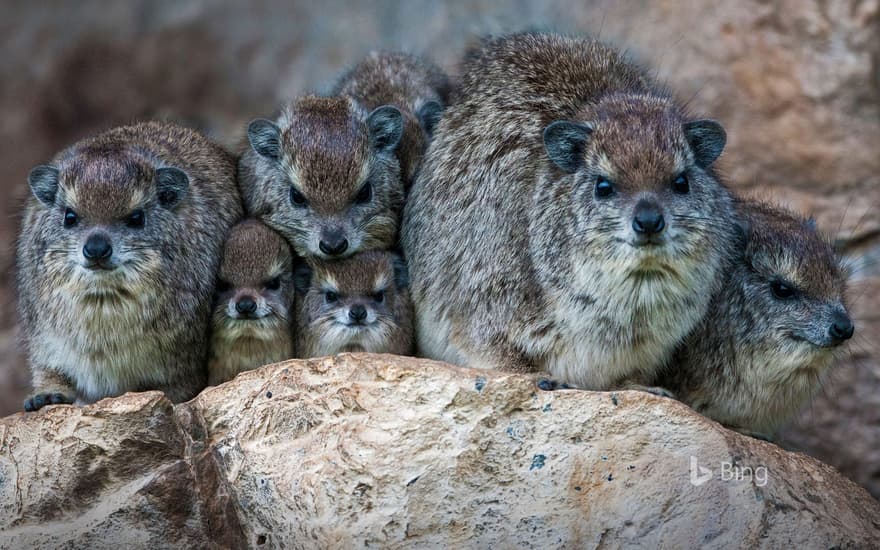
331,296
365,194
70,218
681,185
274,284
297,198
379,297
136,220
604,188
223,286
782,290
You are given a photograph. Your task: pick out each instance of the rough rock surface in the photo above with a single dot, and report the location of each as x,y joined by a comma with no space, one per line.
796,83
390,452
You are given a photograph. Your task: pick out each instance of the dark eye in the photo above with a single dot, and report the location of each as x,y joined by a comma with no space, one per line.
680,184
365,194
70,218
783,290
331,296
297,198
274,284
223,286
136,220
379,296
604,188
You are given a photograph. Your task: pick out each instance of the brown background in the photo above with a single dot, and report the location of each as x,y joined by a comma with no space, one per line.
796,83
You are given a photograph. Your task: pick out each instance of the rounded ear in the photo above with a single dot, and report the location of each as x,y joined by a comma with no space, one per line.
565,142
302,278
401,272
44,183
429,116
707,139
385,124
265,138
171,186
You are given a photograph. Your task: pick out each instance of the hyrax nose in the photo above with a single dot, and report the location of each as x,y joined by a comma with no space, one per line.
246,306
333,243
97,248
357,313
647,218
841,328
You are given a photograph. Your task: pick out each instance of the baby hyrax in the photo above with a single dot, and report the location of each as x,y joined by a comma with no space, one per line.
117,260
325,176
566,217
771,331
357,304
252,316
418,88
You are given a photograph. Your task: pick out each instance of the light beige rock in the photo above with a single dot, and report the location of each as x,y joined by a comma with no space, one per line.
390,452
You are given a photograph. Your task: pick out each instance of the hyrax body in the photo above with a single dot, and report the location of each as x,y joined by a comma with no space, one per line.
418,88
117,261
358,304
771,330
253,312
325,176
565,218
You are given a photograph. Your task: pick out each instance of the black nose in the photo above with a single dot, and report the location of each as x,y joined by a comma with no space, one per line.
647,219
246,306
97,248
841,328
357,312
333,246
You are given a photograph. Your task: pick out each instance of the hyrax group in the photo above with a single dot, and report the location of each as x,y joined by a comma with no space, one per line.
550,210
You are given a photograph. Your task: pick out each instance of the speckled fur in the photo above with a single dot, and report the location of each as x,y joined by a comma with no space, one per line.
254,258
755,359
516,264
323,328
406,81
143,326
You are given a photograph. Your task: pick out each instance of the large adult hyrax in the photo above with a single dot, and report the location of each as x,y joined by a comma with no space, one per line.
325,176
253,311
117,262
361,303
565,218
771,330
418,88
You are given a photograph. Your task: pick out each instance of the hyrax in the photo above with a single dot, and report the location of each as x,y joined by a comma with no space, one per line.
253,311
325,176
566,217
414,85
117,261
771,330
358,304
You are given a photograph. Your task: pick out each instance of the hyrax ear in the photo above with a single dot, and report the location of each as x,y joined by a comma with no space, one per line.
429,116
265,138
385,124
565,142
302,278
171,186
44,183
401,272
707,139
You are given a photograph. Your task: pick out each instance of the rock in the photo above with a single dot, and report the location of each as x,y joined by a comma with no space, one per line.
383,451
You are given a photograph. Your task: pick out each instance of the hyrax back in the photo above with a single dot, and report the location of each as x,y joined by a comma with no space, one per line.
117,261
418,88
358,304
565,218
325,176
252,323
771,330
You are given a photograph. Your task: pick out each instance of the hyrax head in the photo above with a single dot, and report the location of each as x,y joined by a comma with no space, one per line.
795,288
332,181
255,284
355,304
643,190
113,216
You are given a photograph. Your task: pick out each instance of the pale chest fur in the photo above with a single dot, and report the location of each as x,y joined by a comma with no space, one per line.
233,355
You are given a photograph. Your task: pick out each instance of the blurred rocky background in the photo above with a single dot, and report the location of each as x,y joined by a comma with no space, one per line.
796,83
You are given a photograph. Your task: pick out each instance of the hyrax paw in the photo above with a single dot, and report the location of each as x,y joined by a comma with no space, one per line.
547,384
40,400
